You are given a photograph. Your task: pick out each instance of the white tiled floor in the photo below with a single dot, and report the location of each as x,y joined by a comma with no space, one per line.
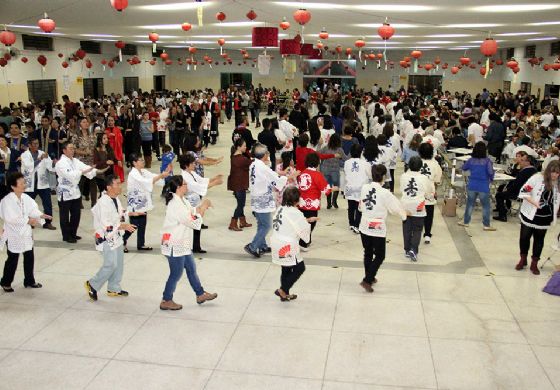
453,321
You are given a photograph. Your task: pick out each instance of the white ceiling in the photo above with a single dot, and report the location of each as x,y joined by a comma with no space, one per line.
450,24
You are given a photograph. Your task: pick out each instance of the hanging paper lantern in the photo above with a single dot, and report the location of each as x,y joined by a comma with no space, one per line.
152,62
164,56
472,66
168,62
264,37
428,67
407,59
220,16
60,55
454,69
42,60
89,64
499,62
302,16
153,37
186,26
7,56
81,54
324,34
556,66
251,15
403,63
385,31
192,50
104,62
284,24
445,66
120,45
3,62
546,67
8,38
416,54
111,64
119,5
221,41
24,60
489,47
372,56
512,64
465,60
320,45
483,71
516,69
46,24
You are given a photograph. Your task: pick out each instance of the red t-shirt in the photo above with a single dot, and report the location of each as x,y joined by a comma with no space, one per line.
311,184
301,154
154,117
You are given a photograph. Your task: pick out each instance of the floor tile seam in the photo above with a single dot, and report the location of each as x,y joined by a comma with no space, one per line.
332,327
60,259
219,360
382,384
428,333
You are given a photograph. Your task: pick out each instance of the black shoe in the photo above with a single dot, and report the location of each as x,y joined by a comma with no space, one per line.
159,158
121,293
266,250
49,226
91,291
77,237
71,240
199,251
7,289
501,219
250,251
204,226
34,285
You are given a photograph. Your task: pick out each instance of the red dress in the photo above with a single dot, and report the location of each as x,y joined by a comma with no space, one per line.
116,141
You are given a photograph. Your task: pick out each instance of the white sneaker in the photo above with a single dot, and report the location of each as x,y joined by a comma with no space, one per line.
427,239
412,256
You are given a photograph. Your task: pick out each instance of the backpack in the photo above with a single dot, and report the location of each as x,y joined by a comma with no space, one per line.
553,285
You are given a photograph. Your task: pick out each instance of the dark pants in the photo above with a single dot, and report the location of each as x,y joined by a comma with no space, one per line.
140,221
412,233
45,195
503,202
290,275
100,182
146,149
88,188
178,140
161,139
354,215
525,240
372,246
196,240
70,212
240,197
308,214
238,114
155,143
392,182
11,265
428,220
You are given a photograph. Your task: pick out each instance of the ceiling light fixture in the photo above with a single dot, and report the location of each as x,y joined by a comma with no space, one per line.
174,6
100,35
448,35
542,39
237,24
395,25
297,4
162,27
515,7
544,23
472,25
394,7
515,34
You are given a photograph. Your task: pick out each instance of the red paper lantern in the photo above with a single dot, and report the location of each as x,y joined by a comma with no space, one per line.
454,69
338,49
221,41
445,66
81,54
437,61
416,54
372,56
465,60
251,15
348,51
360,43
186,26
164,56
3,62
482,71
42,60
152,62
119,5
403,63
379,56
512,64
104,62
284,24
153,37
8,38
472,66
556,66
516,69
220,16
120,45
224,55
546,67
265,37
24,60
499,62
89,64
168,62
324,34
111,64
46,24
407,59
320,45
428,67
386,31
192,50
489,47
302,16
7,56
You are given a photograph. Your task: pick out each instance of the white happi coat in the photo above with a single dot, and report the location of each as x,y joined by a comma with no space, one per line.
197,186
416,189
139,190
357,172
106,222
375,203
28,169
288,227
177,231
15,212
262,180
69,172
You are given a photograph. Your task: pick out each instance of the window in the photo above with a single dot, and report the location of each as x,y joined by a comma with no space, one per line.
37,42
129,50
41,91
130,84
555,48
91,47
530,51
507,86
525,87
510,53
93,88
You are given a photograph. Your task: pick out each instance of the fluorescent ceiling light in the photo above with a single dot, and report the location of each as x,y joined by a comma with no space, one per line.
250,36
472,25
394,7
174,6
542,39
104,40
142,41
237,24
395,25
515,34
189,42
334,35
544,23
463,48
448,35
238,42
161,36
100,35
297,4
515,7
162,27
212,36
436,42
22,26
51,33
497,40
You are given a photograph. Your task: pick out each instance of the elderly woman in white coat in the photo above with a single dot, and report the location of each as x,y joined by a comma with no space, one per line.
19,213
176,242
537,213
139,198
198,187
289,226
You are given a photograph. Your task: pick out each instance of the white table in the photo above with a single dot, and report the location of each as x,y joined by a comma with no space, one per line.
503,177
463,158
460,151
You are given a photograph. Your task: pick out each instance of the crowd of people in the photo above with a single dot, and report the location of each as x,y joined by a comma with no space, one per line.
314,143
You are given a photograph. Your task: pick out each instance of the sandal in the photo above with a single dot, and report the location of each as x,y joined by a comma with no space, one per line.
146,248
282,299
8,289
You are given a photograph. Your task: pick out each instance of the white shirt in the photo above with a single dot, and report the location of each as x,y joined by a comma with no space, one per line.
69,172
415,190
28,169
546,119
197,186
106,220
178,225
475,130
288,129
357,172
375,203
485,118
139,190
15,212
262,180
288,227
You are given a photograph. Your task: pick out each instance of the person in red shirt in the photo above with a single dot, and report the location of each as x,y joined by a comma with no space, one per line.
302,151
154,117
311,185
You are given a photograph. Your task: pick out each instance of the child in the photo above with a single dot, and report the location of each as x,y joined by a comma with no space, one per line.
357,172
285,168
166,160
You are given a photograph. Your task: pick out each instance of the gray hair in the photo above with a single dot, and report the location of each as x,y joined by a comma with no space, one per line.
259,151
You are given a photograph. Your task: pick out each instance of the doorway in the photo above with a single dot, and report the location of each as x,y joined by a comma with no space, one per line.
344,84
424,83
239,80
93,88
552,90
159,83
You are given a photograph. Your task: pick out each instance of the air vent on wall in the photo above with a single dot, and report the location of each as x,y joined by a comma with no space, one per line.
37,42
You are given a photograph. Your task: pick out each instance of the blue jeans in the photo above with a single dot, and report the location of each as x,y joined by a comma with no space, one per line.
484,200
176,265
264,224
111,271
